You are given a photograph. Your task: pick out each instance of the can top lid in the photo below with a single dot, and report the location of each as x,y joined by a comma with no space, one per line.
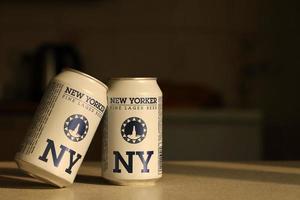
134,78
86,75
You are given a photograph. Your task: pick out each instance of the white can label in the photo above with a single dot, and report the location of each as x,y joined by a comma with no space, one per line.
62,130
133,138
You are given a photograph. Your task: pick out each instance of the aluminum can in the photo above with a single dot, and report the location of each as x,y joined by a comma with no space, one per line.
63,127
132,143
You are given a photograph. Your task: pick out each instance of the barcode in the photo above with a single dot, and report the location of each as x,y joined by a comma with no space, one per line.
160,135
41,116
160,159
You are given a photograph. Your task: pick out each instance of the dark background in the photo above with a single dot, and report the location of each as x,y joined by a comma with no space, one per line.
229,70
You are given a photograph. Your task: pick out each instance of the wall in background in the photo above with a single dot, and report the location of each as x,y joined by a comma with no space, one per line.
246,50
205,42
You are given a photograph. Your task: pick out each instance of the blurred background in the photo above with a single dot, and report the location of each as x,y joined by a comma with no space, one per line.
229,69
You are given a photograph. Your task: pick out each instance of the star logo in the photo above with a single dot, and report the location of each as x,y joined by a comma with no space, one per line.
76,127
133,130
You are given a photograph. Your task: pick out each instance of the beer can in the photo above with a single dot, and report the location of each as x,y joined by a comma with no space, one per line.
63,127
132,143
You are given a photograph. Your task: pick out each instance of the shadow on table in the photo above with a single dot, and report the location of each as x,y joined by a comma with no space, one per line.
88,179
276,173
14,178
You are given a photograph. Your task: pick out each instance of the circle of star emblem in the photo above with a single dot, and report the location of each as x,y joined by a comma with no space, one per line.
76,127
133,130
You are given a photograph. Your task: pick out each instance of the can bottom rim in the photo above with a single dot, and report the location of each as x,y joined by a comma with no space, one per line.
41,174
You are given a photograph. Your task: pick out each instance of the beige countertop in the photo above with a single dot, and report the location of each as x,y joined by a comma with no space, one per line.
181,180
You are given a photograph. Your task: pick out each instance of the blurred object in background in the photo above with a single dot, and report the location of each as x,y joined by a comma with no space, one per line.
34,69
189,95
251,86
49,60
255,66
213,134
20,88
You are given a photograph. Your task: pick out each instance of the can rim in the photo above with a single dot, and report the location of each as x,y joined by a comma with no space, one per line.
86,75
133,78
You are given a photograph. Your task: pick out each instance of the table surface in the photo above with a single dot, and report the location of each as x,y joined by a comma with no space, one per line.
182,180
